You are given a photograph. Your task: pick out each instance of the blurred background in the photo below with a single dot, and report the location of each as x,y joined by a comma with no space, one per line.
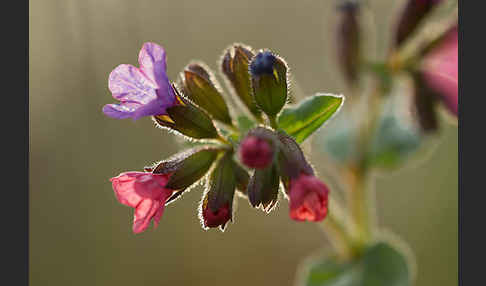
80,234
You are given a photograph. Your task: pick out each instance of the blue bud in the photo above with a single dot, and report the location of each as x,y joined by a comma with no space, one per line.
262,64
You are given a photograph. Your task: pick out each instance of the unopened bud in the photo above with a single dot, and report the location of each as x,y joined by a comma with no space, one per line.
256,152
413,14
216,218
202,88
235,66
425,100
269,82
348,40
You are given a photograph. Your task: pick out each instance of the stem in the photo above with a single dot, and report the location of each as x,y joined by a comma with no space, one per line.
273,122
223,140
360,207
360,200
335,226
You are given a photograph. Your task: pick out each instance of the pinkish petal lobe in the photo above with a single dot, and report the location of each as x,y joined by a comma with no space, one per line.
158,215
124,187
128,83
144,212
152,63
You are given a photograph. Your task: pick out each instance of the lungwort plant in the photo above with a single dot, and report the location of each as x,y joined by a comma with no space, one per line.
251,149
248,141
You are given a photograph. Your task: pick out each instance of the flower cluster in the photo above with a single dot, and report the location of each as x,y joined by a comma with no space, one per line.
432,67
253,150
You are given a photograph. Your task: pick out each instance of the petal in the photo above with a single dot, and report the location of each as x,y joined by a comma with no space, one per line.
152,186
128,83
152,63
144,212
124,188
121,111
158,215
157,106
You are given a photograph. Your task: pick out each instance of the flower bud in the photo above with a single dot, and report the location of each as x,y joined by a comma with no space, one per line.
216,218
269,82
256,152
263,188
217,204
291,160
235,65
348,40
425,100
412,15
308,198
202,88
188,119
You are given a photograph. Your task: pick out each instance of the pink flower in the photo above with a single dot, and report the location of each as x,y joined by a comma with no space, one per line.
308,198
143,91
215,219
441,70
255,152
146,193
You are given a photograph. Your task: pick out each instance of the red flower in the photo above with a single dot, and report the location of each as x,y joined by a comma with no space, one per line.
215,219
255,152
308,198
146,193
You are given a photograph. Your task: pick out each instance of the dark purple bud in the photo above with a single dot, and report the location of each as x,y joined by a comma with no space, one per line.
425,103
262,64
348,40
413,14
291,160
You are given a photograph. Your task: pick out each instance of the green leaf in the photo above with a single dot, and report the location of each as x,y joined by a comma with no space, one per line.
245,124
381,264
304,119
396,137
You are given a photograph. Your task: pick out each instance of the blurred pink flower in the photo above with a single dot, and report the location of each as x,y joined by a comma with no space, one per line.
308,198
440,68
146,193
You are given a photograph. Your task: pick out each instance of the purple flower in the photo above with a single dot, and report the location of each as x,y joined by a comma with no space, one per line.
143,91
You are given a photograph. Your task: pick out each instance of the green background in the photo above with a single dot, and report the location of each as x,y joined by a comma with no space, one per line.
80,235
